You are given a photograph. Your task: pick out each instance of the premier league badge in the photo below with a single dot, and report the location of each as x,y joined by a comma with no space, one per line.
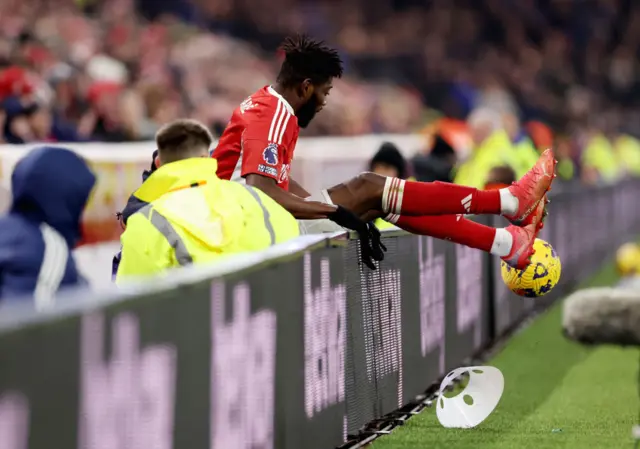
270,154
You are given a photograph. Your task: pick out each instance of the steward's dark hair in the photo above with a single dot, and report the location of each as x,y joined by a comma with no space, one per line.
308,58
181,139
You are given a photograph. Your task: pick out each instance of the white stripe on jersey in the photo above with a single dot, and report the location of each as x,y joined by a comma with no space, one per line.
283,114
274,121
283,129
279,123
277,129
273,92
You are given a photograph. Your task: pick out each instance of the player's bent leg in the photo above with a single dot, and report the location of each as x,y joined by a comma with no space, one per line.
457,229
513,244
370,191
361,194
399,197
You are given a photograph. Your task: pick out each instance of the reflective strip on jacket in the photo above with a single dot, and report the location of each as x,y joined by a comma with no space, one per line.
195,217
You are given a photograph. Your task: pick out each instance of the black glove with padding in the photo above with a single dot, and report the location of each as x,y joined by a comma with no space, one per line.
371,247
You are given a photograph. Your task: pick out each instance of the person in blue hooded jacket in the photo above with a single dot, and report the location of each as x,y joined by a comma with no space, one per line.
50,187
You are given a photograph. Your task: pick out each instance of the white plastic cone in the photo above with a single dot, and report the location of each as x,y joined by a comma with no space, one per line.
485,388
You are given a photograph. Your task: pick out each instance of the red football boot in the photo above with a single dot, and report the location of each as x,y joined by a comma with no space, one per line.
531,188
538,215
522,249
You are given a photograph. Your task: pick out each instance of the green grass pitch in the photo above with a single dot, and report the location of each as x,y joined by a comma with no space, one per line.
557,395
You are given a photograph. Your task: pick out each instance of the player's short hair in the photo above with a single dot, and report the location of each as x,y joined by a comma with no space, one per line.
182,139
306,58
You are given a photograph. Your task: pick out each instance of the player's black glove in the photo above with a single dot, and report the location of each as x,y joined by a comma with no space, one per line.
376,242
370,245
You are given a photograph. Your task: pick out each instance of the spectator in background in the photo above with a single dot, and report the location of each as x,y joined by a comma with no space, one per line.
406,61
50,188
492,148
165,68
500,177
540,134
388,161
105,110
566,168
627,149
46,127
17,120
599,157
18,103
438,162
543,138
524,151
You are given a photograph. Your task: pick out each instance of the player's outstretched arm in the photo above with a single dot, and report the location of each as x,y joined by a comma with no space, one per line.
371,246
297,206
297,189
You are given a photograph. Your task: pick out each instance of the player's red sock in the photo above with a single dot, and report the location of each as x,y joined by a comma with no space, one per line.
402,197
459,230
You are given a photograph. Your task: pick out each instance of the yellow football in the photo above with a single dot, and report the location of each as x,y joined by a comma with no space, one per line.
539,277
628,259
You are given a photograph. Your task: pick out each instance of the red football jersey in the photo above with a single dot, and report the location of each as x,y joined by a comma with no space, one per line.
260,138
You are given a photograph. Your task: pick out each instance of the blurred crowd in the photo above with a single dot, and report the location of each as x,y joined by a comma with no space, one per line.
490,150
110,75
115,70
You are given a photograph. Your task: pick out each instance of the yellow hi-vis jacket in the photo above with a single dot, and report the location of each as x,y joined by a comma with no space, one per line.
195,217
627,150
600,154
497,150
526,156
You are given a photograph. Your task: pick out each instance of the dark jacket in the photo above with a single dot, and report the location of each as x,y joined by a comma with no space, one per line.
61,131
437,165
430,168
50,187
134,204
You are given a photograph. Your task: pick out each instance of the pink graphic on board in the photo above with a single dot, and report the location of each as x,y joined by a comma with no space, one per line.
14,421
432,300
469,291
126,401
325,339
243,370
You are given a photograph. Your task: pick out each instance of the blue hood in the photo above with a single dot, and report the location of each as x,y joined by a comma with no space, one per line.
51,185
